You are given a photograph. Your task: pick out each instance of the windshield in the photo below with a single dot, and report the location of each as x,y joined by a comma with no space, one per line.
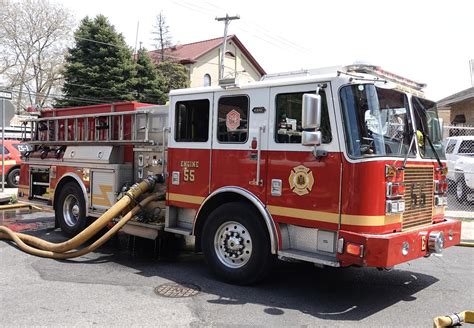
428,123
376,121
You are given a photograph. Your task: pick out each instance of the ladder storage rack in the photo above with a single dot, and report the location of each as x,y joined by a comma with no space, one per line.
111,128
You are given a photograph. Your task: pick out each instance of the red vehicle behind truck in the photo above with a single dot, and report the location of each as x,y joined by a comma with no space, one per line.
336,167
13,150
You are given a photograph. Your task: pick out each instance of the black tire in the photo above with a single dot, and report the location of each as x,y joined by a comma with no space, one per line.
460,190
236,244
71,209
13,178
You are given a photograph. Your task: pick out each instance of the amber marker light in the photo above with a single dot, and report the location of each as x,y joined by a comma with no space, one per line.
354,249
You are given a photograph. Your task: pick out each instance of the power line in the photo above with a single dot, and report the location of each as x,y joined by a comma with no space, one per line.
54,96
268,34
95,41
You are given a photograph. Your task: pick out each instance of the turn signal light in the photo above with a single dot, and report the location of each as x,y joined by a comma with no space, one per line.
440,187
395,189
354,249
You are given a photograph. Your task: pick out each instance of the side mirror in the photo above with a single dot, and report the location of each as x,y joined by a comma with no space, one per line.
311,118
311,138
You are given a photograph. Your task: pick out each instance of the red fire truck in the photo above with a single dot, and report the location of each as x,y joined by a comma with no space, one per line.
338,167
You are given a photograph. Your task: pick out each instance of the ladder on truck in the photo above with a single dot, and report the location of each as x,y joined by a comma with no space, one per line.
112,128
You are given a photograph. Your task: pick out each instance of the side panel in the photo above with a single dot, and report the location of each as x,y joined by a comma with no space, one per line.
103,188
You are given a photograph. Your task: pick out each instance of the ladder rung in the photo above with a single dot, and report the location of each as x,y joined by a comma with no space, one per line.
92,128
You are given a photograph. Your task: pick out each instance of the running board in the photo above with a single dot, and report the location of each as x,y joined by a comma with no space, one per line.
179,231
309,257
148,231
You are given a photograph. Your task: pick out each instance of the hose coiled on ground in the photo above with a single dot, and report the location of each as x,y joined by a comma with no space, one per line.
39,247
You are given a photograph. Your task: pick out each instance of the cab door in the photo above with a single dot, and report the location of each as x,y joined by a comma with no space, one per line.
240,125
189,149
304,189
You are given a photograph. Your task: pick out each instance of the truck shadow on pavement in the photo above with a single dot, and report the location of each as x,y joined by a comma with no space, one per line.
329,293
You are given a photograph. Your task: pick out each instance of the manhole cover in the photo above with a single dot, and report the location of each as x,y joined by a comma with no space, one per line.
177,290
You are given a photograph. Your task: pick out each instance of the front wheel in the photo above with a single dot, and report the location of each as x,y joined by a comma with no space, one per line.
236,244
71,209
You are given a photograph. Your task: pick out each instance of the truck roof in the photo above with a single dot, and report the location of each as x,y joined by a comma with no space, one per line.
349,72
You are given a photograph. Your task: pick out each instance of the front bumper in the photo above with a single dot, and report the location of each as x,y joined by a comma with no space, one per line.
386,250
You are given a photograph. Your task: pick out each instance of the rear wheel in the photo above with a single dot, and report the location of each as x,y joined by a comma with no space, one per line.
236,244
13,178
71,209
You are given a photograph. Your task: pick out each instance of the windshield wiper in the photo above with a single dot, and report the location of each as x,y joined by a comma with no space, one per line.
433,148
408,152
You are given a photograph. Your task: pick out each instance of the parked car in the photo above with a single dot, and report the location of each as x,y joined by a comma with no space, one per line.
13,151
460,162
464,173
455,148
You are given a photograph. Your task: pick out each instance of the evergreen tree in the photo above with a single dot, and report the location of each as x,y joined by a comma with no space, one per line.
174,74
149,85
99,68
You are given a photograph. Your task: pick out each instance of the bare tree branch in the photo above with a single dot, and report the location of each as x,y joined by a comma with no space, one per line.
34,34
162,35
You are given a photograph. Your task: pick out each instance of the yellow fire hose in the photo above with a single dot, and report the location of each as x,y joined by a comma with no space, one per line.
14,206
47,249
99,242
453,319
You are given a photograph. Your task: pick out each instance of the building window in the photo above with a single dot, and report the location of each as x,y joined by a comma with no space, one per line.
229,54
288,118
192,121
232,121
207,80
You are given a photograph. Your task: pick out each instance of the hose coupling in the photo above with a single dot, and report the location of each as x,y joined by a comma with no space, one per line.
456,320
140,187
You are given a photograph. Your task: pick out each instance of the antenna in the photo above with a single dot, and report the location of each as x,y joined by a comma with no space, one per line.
471,66
136,38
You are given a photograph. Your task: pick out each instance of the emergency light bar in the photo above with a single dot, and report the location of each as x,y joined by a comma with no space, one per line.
403,84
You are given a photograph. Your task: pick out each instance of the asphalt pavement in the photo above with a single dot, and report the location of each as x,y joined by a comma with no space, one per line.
115,286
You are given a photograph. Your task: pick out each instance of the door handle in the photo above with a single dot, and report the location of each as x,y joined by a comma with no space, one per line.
257,181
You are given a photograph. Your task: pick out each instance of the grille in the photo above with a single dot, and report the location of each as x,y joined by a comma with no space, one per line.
418,196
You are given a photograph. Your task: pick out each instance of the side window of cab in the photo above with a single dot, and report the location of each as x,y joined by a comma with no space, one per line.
192,121
289,114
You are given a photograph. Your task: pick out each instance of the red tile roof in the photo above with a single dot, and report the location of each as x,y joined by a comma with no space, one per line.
190,53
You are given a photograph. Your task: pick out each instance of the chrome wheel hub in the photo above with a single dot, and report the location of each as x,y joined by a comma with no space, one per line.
71,210
233,244
75,210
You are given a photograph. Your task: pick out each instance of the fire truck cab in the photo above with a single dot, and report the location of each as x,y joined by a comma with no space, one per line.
341,166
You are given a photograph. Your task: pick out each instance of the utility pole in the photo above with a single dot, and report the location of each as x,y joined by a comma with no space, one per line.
227,19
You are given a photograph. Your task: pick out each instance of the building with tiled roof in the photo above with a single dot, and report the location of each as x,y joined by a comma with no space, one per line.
202,60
